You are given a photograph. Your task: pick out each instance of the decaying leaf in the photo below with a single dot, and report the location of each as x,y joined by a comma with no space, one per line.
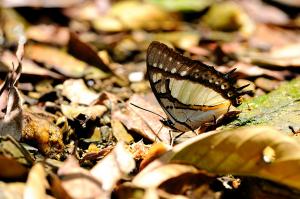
43,133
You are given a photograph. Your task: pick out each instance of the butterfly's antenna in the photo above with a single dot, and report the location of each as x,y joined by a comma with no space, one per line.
156,134
148,111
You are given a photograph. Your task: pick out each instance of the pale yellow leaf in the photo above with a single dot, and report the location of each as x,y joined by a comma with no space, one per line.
262,152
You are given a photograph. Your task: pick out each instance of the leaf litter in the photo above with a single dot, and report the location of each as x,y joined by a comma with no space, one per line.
79,120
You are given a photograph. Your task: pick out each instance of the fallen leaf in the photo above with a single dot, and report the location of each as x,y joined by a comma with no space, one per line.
78,182
143,122
47,33
28,67
286,56
183,5
130,14
11,169
241,152
12,190
85,96
36,183
85,52
267,84
91,112
113,167
120,132
57,59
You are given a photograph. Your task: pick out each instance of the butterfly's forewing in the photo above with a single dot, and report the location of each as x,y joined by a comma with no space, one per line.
190,92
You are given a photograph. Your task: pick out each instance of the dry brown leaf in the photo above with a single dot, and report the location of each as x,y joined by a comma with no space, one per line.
11,169
56,187
51,34
145,123
57,59
113,167
76,91
85,52
91,112
36,183
28,66
242,152
157,175
286,56
120,132
78,182
132,15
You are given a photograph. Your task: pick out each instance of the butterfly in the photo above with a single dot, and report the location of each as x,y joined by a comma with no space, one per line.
191,93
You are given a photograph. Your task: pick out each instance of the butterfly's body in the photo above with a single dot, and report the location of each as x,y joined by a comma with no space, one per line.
191,93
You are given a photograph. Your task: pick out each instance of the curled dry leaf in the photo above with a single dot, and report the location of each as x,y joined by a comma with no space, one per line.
85,96
85,52
113,167
241,152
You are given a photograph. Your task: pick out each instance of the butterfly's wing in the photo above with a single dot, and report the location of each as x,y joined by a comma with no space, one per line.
190,92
